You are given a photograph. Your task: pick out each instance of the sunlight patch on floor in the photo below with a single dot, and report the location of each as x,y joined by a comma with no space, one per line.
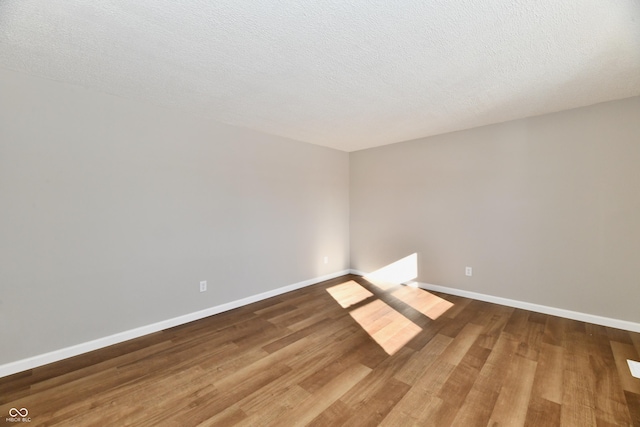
634,367
390,329
349,293
423,301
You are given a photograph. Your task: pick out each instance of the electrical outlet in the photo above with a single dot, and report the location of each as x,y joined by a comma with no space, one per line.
326,260
468,271
203,286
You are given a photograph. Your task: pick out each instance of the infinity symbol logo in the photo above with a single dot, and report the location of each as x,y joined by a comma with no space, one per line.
22,412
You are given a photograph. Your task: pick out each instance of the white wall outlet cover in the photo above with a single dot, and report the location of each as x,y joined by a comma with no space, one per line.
326,260
203,286
468,271
634,367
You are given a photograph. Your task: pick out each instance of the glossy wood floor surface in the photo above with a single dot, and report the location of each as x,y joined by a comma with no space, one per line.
347,352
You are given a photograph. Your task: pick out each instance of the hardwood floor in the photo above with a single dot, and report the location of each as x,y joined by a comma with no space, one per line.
347,352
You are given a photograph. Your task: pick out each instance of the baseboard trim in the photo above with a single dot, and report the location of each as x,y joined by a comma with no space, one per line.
554,311
538,308
75,350
357,272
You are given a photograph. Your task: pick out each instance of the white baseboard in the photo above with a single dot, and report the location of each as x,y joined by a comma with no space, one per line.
554,311
357,272
64,353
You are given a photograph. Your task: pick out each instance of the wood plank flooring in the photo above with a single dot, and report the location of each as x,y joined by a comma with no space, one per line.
346,352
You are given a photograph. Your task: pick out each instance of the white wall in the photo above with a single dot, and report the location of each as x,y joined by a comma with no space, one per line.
546,210
112,211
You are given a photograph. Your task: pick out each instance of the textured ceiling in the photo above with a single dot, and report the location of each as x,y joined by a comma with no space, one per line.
348,74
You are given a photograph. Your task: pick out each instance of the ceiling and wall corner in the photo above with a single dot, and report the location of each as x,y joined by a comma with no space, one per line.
347,75
544,209
344,74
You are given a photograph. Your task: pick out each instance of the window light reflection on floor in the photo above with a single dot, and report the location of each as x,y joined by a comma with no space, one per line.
423,301
389,328
349,293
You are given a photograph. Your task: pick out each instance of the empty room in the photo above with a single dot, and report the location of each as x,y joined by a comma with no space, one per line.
323,213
